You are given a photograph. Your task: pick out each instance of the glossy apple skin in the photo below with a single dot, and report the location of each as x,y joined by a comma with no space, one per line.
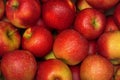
23,13
10,39
96,67
53,69
37,40
2,9
18,65
109,47
111,24
70,43
117,14
102,4
90,23
58,14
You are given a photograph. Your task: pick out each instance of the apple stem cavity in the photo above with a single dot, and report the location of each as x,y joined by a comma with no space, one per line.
15,4
28,33
10,33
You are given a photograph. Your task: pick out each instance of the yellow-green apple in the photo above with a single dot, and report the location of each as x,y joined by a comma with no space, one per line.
109,46
117,14
2,8
58,14
90,23
10,38
102,4
53,69
50,56
37,40
111,24
96,67
23,13
70,46
18,65
82,4
75,72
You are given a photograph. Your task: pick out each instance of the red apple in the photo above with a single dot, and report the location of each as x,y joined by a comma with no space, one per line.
117,74
2,8
37,40
96,67
110,24
53,69
70,46
90,23
82,4
75,72
109,46
117,14
58,14
23,13
102,4
18,65
10,38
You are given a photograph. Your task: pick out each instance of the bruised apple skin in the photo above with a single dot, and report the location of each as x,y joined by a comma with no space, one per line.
10,38
70,46
58,14
23,13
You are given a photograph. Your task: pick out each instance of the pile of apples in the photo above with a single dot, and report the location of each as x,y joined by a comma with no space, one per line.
59,39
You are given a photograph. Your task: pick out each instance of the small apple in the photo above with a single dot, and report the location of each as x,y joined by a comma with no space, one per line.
90,23
58,14
37,40
10,38
109,46
70,46
2,8
82,4
23,13
102,4
18,65
50,56
53,69
116,14
96,67
111,24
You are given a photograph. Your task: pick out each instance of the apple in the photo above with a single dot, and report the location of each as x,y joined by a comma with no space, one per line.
18,65
117,74
102,4
23,13
116,14
10,39
96,67
53,69
75,72
58,14
2,8
82,4
90,23
38,40
70,46
111,24
50,56
109,46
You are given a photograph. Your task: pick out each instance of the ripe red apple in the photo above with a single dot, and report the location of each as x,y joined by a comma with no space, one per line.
111,24
109,46
53,69
117,14
37,40
18,65
2,8
82,4
96,67
70,46
10,38
58,14
102,4
75,72
90,23
23,13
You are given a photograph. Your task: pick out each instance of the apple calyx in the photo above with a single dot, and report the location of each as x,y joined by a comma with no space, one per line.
10,33
94,23
115,61
28,33
15,4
